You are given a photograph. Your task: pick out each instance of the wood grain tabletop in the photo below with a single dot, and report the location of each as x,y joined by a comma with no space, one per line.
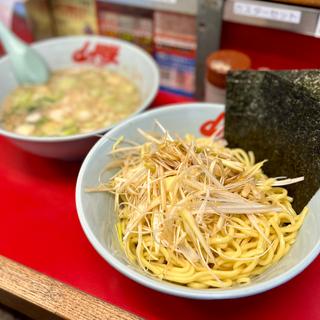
41,297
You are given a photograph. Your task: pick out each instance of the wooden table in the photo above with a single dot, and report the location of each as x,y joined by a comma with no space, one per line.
42,297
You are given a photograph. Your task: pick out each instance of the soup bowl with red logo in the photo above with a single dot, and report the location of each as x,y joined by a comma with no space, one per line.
83,51
98,217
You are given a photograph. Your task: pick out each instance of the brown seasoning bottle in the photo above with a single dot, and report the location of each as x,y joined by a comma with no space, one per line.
218,64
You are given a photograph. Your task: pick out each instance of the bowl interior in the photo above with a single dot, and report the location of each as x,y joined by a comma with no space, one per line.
130,60
59,53
98,218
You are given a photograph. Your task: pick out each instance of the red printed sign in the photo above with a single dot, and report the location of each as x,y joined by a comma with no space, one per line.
99,55
213,127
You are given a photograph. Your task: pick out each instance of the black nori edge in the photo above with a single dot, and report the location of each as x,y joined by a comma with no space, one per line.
277,116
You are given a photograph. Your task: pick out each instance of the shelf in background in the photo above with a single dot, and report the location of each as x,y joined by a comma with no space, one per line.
210,14
283,16
178,6
299,19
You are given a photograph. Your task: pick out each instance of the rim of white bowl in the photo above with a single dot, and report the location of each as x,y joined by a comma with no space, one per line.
154,70
167,287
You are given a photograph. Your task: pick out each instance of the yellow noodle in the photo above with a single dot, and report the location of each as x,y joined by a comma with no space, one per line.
170,196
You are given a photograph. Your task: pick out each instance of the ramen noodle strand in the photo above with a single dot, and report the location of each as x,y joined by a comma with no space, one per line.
196,213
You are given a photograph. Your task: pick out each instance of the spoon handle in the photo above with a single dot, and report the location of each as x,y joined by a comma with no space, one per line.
10,41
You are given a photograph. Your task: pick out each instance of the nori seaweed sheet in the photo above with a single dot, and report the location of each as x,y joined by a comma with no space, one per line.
276,114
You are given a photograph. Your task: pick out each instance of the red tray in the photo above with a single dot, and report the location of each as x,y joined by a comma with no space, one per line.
39,228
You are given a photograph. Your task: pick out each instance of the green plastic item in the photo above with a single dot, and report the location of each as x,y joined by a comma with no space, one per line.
29,67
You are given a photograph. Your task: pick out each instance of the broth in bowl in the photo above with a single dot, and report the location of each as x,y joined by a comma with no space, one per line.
75,100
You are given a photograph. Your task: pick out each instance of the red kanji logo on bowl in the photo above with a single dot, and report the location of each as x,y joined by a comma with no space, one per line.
213,127
97,54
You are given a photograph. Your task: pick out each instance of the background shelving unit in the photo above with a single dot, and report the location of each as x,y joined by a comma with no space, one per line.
283,15
299,19
177,6
210,15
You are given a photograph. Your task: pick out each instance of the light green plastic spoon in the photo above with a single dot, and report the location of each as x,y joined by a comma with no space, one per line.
28,65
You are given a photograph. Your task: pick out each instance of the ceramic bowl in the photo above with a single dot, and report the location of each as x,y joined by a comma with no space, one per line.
76,51
97,216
